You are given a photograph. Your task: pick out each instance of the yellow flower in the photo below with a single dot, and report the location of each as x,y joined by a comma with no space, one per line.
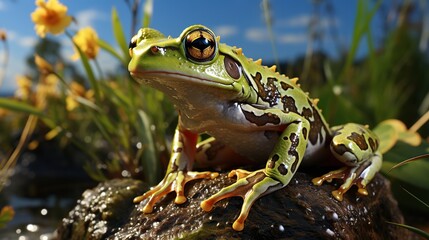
24,85
3,112
47,88
50,17
86,38
43,66
77,90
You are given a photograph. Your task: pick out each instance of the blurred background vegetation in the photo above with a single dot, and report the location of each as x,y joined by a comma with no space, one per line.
114,127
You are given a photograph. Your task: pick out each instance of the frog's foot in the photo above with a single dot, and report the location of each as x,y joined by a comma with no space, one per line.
350,175
239,173
250,187
173,182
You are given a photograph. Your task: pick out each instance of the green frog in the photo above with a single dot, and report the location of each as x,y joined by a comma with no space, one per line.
254,115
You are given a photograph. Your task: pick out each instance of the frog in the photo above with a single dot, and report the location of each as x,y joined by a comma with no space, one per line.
254,116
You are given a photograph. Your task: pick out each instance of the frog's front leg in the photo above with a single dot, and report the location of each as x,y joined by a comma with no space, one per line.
357,147
178,172
280,167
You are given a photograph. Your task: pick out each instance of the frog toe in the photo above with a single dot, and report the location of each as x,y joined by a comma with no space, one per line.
239,173
350,176
249,188
173,182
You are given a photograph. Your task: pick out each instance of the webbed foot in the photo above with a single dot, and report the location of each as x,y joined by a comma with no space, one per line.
250,186
350,175
173,182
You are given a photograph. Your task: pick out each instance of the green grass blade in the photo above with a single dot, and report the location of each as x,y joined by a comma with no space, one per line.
105,46
147,10
149,159
18,106
88,103
410,174
362,22
89,72
423,156
269,23
117,96
412,229
415,197
119,34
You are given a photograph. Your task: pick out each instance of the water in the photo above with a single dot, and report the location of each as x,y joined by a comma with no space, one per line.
35,218
43,188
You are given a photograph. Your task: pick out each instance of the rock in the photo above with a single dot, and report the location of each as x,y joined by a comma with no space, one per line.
299,211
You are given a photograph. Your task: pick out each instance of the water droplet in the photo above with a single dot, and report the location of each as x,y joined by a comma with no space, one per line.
32,228
87,139
45,237
125,173
337,90
330,232
44,211
281,228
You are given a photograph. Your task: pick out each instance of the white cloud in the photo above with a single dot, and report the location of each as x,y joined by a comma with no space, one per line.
292,38
23,41
2,6
304,20
28,41
261,35
257,34
226,30
87,17
298,21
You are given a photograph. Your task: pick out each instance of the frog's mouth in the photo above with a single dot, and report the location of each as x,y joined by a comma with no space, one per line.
174,79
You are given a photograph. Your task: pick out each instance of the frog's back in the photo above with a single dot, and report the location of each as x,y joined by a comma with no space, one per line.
278,91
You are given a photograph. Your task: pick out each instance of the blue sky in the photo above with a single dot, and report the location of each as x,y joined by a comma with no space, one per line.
239,22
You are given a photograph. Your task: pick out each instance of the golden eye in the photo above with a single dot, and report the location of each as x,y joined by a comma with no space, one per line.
200,45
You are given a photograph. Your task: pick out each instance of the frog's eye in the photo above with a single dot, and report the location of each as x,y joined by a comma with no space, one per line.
200,45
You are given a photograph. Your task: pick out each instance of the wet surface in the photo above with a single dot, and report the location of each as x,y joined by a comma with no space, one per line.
299,211
43,187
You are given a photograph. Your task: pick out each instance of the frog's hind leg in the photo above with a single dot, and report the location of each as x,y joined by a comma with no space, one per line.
356,147
359,175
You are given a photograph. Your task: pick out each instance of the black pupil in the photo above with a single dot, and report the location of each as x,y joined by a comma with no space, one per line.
202,43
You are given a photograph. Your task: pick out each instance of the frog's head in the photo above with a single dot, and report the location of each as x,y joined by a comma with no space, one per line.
193,67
